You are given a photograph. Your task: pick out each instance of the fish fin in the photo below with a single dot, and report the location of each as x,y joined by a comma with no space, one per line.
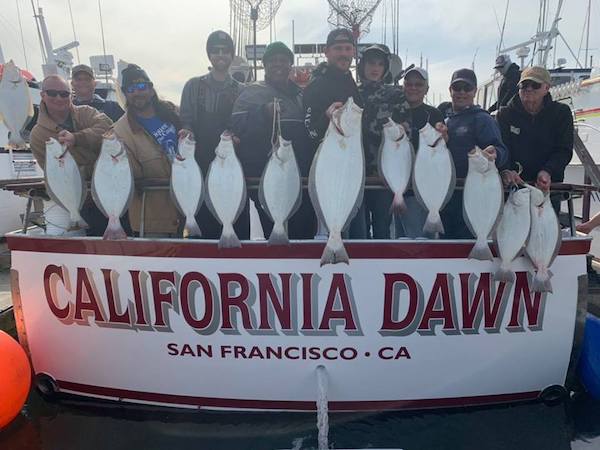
433,224
504,273
228,238
481,251
191,227
15,140
279,235
541,281
114,230
334,251
398,205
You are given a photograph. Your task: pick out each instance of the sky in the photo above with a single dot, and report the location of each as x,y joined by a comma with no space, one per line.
167,38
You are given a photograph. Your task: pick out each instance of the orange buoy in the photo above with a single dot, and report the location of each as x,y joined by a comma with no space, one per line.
15,378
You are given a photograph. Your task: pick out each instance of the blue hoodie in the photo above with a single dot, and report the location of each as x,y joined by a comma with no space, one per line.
472,127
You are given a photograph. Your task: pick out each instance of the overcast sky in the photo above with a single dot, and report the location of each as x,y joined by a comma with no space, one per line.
168,38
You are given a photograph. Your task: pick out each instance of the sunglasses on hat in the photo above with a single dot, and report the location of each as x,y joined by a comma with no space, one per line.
138,87
55,93
530,84
462,87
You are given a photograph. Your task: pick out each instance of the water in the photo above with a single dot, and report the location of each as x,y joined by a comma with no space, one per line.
74,424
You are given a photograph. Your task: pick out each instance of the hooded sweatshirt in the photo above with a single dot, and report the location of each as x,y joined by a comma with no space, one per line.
543,141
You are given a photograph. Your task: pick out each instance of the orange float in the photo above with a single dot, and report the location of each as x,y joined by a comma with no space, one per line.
15,378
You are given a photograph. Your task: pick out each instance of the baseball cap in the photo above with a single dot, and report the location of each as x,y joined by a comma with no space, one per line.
501,61
340,35
82,68
422,73
133,74
466,75
537,74
276,48
219,38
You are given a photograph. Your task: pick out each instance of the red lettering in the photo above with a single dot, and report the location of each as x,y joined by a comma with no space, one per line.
49,291
161,297
389,301
231,301
282,307
338,289
307,320
89,301
441,288
532,307
482,291
187,299
140,316
113,315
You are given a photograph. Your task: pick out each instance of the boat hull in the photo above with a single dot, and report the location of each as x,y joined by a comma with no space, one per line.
406,325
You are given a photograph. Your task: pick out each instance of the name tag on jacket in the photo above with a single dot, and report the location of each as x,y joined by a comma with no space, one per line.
515,130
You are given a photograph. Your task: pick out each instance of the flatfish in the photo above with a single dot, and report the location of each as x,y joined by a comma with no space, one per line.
337,178
280,190
112,184
544,240
226,189
483,196
512,232
187,184
433,177
64,182
395,162
16,108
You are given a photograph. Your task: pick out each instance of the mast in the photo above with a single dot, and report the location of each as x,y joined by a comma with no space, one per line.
587,37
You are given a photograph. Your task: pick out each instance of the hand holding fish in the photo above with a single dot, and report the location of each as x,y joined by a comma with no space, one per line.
489,152
442,129
510,177
543,180
332,108
67,138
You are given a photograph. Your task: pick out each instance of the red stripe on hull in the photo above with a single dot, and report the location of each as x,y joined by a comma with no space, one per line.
378,405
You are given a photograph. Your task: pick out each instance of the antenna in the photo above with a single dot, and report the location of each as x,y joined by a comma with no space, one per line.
102,33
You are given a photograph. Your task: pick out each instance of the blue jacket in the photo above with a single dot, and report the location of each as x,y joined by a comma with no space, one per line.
108,107
473,127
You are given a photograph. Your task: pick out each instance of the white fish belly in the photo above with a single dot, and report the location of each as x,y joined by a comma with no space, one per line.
15,106
113,183
544,235
186,183
339,177
64,179
512,231
396,164
226,188
281,187
482,199
433,176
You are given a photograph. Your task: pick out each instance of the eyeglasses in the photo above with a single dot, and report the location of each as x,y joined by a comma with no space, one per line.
138,87
55,93
528,84
462,87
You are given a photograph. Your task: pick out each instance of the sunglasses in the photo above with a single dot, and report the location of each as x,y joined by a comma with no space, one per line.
530,85
138,87
462,87
55,93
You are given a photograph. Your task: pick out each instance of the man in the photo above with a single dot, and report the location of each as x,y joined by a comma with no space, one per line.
331,85
538,133
468,126
149,130
508,85
252,123
206,106
84,86
416,86
80,128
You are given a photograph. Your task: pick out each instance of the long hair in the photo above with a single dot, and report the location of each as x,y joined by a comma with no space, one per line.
165,110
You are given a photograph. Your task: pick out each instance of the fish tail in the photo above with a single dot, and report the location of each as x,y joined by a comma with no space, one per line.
114,230
278,235
433,224
398,205
481,251
504,274
541,281
334,251
228,238
16,141
191,227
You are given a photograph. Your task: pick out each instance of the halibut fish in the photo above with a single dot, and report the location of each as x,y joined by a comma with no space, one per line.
433,177
112,184
16,108
64,182
337,178
483,196
395,162
280,190
226,189
544,240
512,232
187,184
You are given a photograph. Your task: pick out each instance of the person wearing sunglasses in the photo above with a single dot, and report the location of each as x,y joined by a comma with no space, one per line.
538,132
467,126
206,106
80,128
150,130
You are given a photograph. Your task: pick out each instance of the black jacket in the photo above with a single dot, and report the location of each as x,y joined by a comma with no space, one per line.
540,142
328,85
508,87
110,108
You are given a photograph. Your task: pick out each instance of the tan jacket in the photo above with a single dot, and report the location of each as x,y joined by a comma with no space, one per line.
148,161
89,126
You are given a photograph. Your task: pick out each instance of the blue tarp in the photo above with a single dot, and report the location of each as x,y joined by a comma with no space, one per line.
589,361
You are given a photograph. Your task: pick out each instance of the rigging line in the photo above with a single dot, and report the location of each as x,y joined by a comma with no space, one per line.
102,31
22,37
504,24
37,26
74,34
